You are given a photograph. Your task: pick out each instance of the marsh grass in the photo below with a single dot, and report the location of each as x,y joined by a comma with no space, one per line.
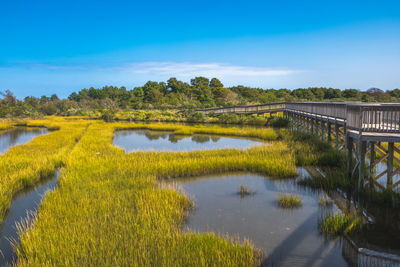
267,134
334,179
311,151
127,218
339,224
244,191
324,201
110,209
4,125
289,201
23,166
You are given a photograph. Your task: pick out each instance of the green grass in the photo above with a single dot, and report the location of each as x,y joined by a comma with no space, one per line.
289,201
325,202
23,166
334,179
339,224
244,191
109,210
311,151
267,134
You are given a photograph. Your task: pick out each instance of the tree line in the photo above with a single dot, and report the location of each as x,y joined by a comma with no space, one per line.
201,92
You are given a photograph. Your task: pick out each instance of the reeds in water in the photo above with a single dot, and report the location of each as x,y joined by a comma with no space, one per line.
244,191
289,201
325,202
340,224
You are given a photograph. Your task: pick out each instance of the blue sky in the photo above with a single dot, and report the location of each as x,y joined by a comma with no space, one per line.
62,46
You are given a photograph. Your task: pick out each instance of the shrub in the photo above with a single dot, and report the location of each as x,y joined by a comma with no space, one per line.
194,116
107,115
279,122
228,118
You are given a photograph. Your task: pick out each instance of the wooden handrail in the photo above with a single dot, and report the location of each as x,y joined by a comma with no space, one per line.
362,117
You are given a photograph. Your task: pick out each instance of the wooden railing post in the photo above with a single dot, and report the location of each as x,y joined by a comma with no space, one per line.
360,122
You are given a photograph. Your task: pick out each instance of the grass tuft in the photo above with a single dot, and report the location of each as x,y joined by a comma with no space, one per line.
339,224
244,191
325,202
289,201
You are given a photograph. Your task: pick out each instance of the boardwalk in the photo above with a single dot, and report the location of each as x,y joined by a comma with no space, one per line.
364,129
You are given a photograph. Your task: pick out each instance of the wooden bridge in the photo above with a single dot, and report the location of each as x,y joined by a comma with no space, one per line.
368,131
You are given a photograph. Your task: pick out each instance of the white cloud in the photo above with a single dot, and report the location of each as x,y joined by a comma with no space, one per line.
175,69
185,69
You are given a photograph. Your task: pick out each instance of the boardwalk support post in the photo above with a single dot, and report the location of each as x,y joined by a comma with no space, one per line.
349,146
329,131
336,136
372,163
361,167
390,166
312,126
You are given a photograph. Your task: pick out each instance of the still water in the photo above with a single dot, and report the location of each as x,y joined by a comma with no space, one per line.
287,237
18,136
23,206
149,140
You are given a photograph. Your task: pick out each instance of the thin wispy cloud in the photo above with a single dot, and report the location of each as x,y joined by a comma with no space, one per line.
170,69
186,69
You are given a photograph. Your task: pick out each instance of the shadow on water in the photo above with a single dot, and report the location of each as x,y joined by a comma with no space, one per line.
18,136
23,205
286,237
147,140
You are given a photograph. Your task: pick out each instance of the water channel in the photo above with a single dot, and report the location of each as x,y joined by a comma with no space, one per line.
18,136
148,140
286,237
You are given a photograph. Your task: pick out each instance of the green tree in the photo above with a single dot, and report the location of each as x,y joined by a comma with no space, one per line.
215,83
200,81
350,93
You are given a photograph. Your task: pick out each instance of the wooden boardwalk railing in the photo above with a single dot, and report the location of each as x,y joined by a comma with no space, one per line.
374,118
380,117
246,109
358,127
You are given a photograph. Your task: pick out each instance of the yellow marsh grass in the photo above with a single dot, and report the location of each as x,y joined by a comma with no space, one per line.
5,124
289,201
108,209
267,134
25,165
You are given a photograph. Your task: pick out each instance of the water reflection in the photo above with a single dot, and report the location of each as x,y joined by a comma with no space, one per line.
146,140
287,237
381,230
18,136
23,205
380,168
